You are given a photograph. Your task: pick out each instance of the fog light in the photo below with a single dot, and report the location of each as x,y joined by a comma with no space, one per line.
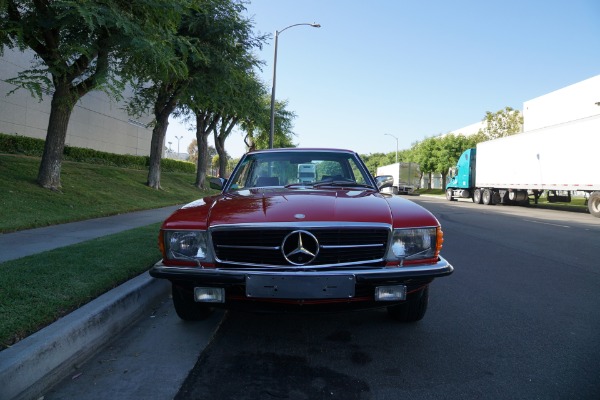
390,293
209,295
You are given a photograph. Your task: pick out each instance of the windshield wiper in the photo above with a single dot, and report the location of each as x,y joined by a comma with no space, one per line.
342,184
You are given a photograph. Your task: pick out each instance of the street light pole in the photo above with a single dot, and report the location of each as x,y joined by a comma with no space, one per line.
396,145
272,130
178,139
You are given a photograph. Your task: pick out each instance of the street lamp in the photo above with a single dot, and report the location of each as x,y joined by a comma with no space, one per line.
178,139
396,145
271,132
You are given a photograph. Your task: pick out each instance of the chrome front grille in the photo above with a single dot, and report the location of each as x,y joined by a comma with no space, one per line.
262,246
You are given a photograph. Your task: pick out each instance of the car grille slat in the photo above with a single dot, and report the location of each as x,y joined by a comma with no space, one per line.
262,246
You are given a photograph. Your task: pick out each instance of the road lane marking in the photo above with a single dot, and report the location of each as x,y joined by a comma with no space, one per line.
547,223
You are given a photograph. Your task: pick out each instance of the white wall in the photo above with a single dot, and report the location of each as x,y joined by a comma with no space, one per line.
469,129
571,103
97,122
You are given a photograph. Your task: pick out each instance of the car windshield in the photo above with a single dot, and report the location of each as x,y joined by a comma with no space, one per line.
300,169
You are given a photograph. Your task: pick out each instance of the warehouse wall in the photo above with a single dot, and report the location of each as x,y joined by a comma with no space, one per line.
577,101
97,122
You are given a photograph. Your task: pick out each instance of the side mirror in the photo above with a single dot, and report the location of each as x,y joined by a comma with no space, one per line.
452,172
217,183
384,181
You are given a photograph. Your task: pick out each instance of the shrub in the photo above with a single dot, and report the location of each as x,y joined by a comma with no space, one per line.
15,144
170,165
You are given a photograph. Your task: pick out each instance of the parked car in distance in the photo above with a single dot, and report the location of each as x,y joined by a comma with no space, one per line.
274,240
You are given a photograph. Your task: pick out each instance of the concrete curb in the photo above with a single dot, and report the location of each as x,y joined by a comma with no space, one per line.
43,359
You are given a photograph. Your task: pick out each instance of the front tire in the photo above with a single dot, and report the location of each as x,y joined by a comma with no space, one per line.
413,309
449,195
185,306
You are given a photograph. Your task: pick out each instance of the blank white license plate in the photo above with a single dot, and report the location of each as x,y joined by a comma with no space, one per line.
300,286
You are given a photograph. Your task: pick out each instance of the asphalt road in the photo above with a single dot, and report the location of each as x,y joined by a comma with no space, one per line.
518,319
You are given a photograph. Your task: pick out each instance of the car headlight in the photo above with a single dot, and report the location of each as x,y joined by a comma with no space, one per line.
187,245
415,244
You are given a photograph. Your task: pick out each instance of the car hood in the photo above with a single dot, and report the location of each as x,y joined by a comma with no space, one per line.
277,205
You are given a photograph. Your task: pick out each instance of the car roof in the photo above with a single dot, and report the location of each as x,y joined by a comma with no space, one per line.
301,149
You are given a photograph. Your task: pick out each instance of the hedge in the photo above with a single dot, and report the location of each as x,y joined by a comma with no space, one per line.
15,144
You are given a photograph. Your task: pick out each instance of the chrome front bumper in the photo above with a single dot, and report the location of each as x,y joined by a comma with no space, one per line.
217,276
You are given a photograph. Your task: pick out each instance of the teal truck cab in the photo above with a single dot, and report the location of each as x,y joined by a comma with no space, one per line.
462,177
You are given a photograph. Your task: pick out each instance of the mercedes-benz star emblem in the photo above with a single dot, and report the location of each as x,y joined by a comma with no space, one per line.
300,247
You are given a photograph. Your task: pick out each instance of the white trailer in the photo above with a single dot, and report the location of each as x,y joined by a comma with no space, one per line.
559,159
407,176
307,173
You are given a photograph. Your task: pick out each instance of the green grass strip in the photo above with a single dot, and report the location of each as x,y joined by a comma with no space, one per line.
37,290
88,191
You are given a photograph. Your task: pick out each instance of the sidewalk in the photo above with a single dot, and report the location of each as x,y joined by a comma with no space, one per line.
41,360
24,243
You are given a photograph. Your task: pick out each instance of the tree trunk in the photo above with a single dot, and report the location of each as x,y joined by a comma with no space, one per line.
249,138
220,146
202,140
156,148
60,113
205,123
227,124
164,106
249,142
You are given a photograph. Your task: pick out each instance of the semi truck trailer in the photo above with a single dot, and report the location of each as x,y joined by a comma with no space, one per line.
407,176
559,159
307,173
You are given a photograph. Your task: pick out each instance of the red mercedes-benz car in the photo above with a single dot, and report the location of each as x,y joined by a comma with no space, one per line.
304,229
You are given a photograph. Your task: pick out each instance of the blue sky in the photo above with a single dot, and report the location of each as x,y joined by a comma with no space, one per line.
415,69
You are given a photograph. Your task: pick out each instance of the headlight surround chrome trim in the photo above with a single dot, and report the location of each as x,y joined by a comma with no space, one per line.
188,245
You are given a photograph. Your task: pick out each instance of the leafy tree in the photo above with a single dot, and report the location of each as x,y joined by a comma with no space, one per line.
328,168
405,155
229,89
502,123
80,47
425,156
161,90
206,122
376,160
373,161
214,161
257,127
225,126
448,151
197,107
193,151
243,100
219,84
209,119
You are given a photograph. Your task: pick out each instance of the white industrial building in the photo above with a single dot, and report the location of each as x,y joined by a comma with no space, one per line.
97,122
577,101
